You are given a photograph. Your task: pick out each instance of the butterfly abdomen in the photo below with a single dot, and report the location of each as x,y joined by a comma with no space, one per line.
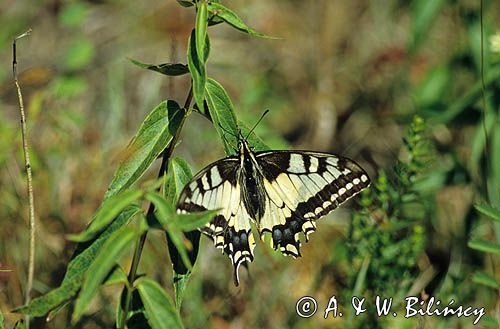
252,189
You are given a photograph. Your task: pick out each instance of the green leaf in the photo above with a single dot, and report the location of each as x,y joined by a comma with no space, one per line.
222,113
112,250
171,69
181,265
109,209
485,246
185,3
154,135
232,19
164,211
165,214
160,310
488,211
197,70
179,242
117,276
20,325
201,29
214,20
180,284
55,311
178,175
136,318
423,14
1,320
77,267
485,279
193,221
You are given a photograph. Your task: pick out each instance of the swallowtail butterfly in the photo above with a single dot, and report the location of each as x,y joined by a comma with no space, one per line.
282,192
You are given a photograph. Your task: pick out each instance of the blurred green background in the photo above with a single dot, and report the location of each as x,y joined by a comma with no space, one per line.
347,77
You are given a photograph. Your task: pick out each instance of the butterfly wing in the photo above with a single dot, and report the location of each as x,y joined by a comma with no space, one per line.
217,187
303,186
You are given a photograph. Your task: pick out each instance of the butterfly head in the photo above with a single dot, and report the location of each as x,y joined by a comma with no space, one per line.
243,147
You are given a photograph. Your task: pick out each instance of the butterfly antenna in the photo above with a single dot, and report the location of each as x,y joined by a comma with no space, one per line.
258,121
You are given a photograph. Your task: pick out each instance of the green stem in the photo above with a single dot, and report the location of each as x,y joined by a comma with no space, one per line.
150,214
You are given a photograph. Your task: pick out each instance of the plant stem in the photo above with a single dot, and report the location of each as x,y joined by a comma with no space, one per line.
167,153
27,165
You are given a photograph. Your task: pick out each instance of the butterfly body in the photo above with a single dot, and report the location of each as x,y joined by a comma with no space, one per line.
250,178
282,192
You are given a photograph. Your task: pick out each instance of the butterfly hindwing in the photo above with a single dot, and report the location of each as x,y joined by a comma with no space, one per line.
303,186
217,188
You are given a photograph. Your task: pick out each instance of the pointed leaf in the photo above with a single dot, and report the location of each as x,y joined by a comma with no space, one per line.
185,3
182,245
164,211
109,210
154,135
222,113
117,276
114,248
20,325
170,69
193,221
160,310
488,211
201,29
55,311
178,175
180,285
124,176
136,318
232,19
77,267
485,246
197,70
166,215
